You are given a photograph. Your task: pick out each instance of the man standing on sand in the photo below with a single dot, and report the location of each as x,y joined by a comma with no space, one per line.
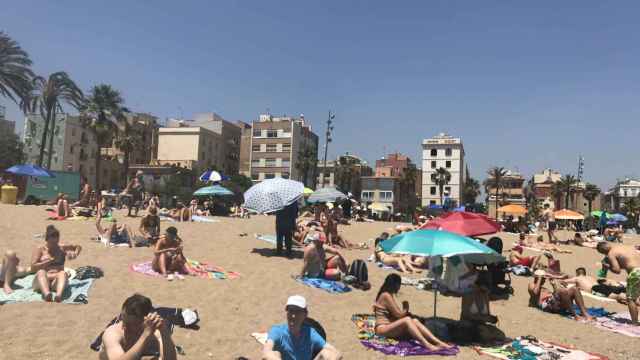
139,332
297,340
625,257
550,218
285,225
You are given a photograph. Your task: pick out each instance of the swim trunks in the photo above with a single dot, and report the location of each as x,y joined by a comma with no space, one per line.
548,303
633,284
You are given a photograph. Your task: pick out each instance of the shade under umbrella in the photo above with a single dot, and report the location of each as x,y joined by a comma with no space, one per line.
211,175
566,214
30,170
327,194
215,190
464,223
272,195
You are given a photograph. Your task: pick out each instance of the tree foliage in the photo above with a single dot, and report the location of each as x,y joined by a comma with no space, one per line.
11,150
15,70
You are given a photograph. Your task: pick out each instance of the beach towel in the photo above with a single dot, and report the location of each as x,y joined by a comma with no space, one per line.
268,238
619,323
521,349
198,218
260,337
365,324
166,218
596,297
76,292
52,215
334,287
196,268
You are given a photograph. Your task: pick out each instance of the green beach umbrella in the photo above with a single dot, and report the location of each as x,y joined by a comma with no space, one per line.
215,190
598,213
434,243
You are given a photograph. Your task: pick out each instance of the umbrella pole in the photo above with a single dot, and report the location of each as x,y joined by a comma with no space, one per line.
435,301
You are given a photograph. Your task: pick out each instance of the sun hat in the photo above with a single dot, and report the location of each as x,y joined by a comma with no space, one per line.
297,301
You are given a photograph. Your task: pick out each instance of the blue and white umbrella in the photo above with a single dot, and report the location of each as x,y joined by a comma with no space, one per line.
272,195
327,194
618,218
211,175
30,170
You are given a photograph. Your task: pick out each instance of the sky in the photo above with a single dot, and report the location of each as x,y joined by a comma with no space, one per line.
526,86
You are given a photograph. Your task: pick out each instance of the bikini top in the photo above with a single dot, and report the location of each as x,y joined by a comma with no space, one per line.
57,261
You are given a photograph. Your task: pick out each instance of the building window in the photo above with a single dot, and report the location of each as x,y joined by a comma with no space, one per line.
448,152
386,195
71,149
432,190
286,147
271,147
433,164
272,133
255,163
269,175
433,177
434,152
624,192
255,148
367,195
255,176
447,189
448,164
286,163
285,175
257,132
432,202
269,162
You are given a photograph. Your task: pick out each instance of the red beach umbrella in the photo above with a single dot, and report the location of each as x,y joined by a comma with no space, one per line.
464,223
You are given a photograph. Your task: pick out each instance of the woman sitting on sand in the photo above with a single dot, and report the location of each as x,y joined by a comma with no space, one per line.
103,210
168,257
401,263
48,263
395,323
114,234
62,206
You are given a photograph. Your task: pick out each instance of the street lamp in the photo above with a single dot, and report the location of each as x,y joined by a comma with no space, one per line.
326,144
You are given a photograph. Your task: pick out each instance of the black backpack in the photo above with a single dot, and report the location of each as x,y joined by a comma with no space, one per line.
358,269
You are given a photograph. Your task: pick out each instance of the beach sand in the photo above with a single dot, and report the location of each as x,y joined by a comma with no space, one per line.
231,310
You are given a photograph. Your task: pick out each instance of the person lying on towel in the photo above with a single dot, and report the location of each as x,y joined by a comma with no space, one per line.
559,301
168,257
317,265
297,340
140,332
601,287
115,233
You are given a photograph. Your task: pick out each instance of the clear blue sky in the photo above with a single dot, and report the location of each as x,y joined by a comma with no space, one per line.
526,85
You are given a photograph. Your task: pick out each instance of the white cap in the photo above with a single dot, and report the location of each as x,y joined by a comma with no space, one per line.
297,300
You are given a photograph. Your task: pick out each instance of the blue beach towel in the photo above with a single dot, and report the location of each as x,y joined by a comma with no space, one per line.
23,291
334,287
593,311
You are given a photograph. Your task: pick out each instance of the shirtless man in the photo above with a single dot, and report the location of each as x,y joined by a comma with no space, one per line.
168,257
114,234
317,265
150,225
627,258
550,218
560,300
609,288
139,333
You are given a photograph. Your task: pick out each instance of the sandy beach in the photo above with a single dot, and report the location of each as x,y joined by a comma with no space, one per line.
231,310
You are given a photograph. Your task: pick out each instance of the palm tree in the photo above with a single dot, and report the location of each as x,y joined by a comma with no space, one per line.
15,70
470,191
307,162
47,97
408,184
442,178
100,113
495,181
591,191
631,207
128,139
567,183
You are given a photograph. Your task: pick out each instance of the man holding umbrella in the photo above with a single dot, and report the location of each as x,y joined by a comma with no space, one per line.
285,225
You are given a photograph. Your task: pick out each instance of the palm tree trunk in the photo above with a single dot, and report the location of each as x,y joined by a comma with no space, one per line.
125,166
53,133
589,202
497,190
98,156
43,143
440,187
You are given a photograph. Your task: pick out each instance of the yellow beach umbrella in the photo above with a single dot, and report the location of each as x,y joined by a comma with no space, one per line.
566,214
512,209
378,207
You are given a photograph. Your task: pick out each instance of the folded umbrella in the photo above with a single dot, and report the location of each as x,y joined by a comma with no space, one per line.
272,195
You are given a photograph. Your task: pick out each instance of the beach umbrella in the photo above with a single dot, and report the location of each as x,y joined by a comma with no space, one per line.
306,192
327,194
272,195
464,223
439,243
30,170
598,213
618,218
379,207
566,214
512,209
215,190
211,175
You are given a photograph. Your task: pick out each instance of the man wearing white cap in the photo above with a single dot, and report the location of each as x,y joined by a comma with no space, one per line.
296,340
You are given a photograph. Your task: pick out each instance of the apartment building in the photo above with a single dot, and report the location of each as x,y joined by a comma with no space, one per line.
282,147
511,192
380,194
190,147
442,151
74,146
393,165
622,191
345,173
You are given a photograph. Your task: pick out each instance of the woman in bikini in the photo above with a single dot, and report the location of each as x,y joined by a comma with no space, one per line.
168,257
401,263
48,263
62,206
395,323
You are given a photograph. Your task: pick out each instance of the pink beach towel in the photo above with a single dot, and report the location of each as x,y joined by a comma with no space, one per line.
196,268
619,323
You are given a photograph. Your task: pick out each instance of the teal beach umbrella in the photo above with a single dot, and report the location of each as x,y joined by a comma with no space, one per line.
215,190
